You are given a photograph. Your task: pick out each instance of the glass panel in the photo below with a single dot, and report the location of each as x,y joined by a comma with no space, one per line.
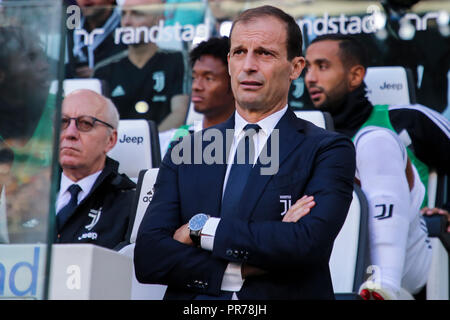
30,56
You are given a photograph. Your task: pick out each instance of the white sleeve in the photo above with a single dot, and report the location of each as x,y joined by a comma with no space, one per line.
208,233
381,162
232,278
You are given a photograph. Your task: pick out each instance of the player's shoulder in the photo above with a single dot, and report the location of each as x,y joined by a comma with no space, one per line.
377,140
374,132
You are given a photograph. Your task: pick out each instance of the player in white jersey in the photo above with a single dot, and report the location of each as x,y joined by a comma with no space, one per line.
400,250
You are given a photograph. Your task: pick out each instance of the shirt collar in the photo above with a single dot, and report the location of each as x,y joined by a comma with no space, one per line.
85,184
267,124
197,126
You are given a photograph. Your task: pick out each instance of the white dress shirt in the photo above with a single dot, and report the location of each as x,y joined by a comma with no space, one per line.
232,279
85,184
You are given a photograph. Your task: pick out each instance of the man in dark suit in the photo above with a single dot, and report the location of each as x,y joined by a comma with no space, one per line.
249,244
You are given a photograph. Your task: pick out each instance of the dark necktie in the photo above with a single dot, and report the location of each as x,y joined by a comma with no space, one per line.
65,213
239,171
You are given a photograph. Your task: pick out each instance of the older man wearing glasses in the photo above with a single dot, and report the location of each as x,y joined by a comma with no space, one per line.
94,200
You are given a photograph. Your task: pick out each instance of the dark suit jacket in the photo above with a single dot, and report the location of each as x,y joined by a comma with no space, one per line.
312,161
112,194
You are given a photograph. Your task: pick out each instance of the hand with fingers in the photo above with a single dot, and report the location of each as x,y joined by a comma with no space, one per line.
431,211
300,208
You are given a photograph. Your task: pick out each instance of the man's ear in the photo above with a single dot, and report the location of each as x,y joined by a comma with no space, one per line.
112,140
356,76
298,63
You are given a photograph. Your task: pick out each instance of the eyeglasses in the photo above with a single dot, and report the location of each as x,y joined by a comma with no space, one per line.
83,123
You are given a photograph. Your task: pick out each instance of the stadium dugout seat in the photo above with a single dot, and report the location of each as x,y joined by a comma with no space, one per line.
93,84
348,261
390,85
319,118
137,147
144,194
438,279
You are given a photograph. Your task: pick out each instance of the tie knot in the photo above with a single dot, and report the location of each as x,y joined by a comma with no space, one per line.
251,126
74,190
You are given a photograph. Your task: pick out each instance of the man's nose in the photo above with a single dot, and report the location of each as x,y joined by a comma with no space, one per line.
250,63
310,76
197,85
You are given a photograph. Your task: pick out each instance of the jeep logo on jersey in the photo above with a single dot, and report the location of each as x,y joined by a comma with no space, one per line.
394,86
126,139
160,80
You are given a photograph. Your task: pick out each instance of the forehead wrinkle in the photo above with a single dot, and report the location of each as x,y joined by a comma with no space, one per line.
268,38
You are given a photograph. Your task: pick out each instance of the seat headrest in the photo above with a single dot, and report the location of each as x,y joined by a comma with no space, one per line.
389,85
133,150
145,187
316,117
70,85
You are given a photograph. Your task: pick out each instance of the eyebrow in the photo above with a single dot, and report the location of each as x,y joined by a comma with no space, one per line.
260,49
236,48
317,61
257,49
204,72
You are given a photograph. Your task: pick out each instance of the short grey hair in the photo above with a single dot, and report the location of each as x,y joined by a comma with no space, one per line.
112,113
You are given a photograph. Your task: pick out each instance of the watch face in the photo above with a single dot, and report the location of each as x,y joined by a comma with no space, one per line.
198,221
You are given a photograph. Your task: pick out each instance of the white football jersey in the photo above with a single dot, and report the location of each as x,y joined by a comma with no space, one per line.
399,246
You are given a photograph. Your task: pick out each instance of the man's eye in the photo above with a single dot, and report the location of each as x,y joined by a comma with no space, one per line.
85,123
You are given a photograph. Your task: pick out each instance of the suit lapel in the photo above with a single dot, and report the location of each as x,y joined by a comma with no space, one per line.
289,139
